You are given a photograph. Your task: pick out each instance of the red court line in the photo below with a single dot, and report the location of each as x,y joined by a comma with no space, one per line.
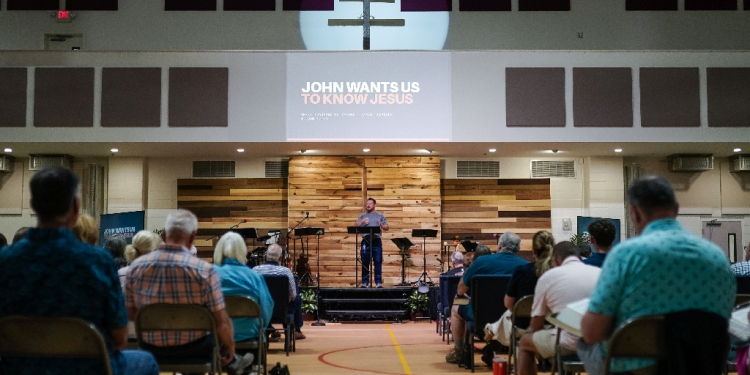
323,360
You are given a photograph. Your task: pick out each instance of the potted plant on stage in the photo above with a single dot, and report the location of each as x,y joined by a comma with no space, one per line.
309,304
417,304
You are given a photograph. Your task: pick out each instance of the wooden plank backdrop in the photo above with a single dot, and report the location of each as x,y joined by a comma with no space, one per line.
222,203
333,190
479,208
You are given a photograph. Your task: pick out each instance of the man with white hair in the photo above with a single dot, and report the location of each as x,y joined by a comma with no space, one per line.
457,262
273,266
171,275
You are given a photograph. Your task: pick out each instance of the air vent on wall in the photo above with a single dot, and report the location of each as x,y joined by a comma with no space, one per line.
474,169
213,169
38,162
7,163
553,168
690,162
740,163
277,168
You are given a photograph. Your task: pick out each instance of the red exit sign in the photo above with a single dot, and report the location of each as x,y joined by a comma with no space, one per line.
63,14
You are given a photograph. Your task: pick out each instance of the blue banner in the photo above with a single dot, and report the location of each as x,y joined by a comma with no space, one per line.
124,225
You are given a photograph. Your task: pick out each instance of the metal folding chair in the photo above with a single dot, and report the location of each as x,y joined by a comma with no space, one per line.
522,309
245,307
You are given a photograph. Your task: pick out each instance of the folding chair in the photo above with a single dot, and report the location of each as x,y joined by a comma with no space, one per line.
180,317
278,287
245,307
448,290
566,363
40,337
522,309
487,296
642,337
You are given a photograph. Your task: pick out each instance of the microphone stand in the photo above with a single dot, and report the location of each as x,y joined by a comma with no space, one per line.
230,228
307,216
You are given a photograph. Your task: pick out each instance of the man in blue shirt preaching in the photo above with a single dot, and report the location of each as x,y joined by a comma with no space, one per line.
372,248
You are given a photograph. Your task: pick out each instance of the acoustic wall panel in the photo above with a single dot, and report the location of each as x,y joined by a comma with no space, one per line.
535,97
308,4
33,4
602,97
544,5
484,5
670,97
650,4
710,5
91,4
255,5
426,5
12,97
64,97
198,97
177,5
131,97
728,97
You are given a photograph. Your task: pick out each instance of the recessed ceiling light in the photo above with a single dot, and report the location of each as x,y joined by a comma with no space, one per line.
302,151
426,151
735,150
8,149
240,150
114,150
493,149
618,150
365,150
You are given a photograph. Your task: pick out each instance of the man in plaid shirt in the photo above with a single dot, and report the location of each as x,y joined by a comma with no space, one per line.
170,274
743,268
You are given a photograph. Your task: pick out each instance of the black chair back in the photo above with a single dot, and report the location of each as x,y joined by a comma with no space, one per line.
278,287
448,290
743,284
487,300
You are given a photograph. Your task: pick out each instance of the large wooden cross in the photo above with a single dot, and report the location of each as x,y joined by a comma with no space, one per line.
366,21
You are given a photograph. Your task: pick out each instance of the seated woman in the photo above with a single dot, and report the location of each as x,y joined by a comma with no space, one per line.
237,279
144,242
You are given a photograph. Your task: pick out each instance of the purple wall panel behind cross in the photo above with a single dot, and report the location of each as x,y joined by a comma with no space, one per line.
308,4
426,5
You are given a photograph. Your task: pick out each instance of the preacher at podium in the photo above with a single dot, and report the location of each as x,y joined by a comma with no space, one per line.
372,248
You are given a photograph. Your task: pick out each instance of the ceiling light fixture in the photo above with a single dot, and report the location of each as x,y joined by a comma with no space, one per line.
493,149
114,150
365,150
8,149
240,150
735,150
426,151
302,151
618,150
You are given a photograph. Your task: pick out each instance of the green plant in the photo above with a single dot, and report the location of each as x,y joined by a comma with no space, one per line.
309,301
579,239
417,302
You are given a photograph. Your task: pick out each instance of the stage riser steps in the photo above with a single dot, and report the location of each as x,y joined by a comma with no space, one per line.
362,304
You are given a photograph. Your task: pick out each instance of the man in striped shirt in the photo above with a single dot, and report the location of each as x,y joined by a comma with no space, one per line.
170,274
272,266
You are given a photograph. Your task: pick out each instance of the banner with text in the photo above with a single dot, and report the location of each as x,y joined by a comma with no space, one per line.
368,97
124,225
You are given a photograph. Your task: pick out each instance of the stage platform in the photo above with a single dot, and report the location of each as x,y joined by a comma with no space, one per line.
364,304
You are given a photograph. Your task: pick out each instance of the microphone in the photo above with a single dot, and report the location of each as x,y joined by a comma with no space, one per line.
245,220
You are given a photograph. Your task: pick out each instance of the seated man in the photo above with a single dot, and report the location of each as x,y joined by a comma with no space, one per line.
273,267
503,263
457,262
569,281
601,234
743,268
50,273
664,270
171,275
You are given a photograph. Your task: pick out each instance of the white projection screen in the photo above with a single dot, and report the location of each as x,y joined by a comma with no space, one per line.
360,96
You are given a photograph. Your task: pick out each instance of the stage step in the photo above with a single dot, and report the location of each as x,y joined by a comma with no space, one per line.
361,304
358,315
368,300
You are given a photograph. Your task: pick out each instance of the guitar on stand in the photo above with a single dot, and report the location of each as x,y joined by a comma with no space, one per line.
305,278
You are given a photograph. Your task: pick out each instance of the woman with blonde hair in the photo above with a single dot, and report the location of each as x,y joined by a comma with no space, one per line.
144,242
237,279
85,229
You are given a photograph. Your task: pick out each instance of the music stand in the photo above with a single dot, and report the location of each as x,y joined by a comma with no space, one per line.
313,231
403,244
469,246
356,231
424,233
246,233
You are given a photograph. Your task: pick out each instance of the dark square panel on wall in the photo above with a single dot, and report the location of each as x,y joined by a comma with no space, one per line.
728,97
543,5
670,97
602,97
189,4
64,97
249,4
91,4
308,4
12,97
131,97
198,97
535,97
484,5
33,4
426,5
650,4
710,4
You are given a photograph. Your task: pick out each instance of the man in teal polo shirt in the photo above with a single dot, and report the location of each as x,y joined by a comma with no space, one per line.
664,270
502,263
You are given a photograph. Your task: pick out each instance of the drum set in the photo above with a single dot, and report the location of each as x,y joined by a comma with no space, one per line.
258,255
